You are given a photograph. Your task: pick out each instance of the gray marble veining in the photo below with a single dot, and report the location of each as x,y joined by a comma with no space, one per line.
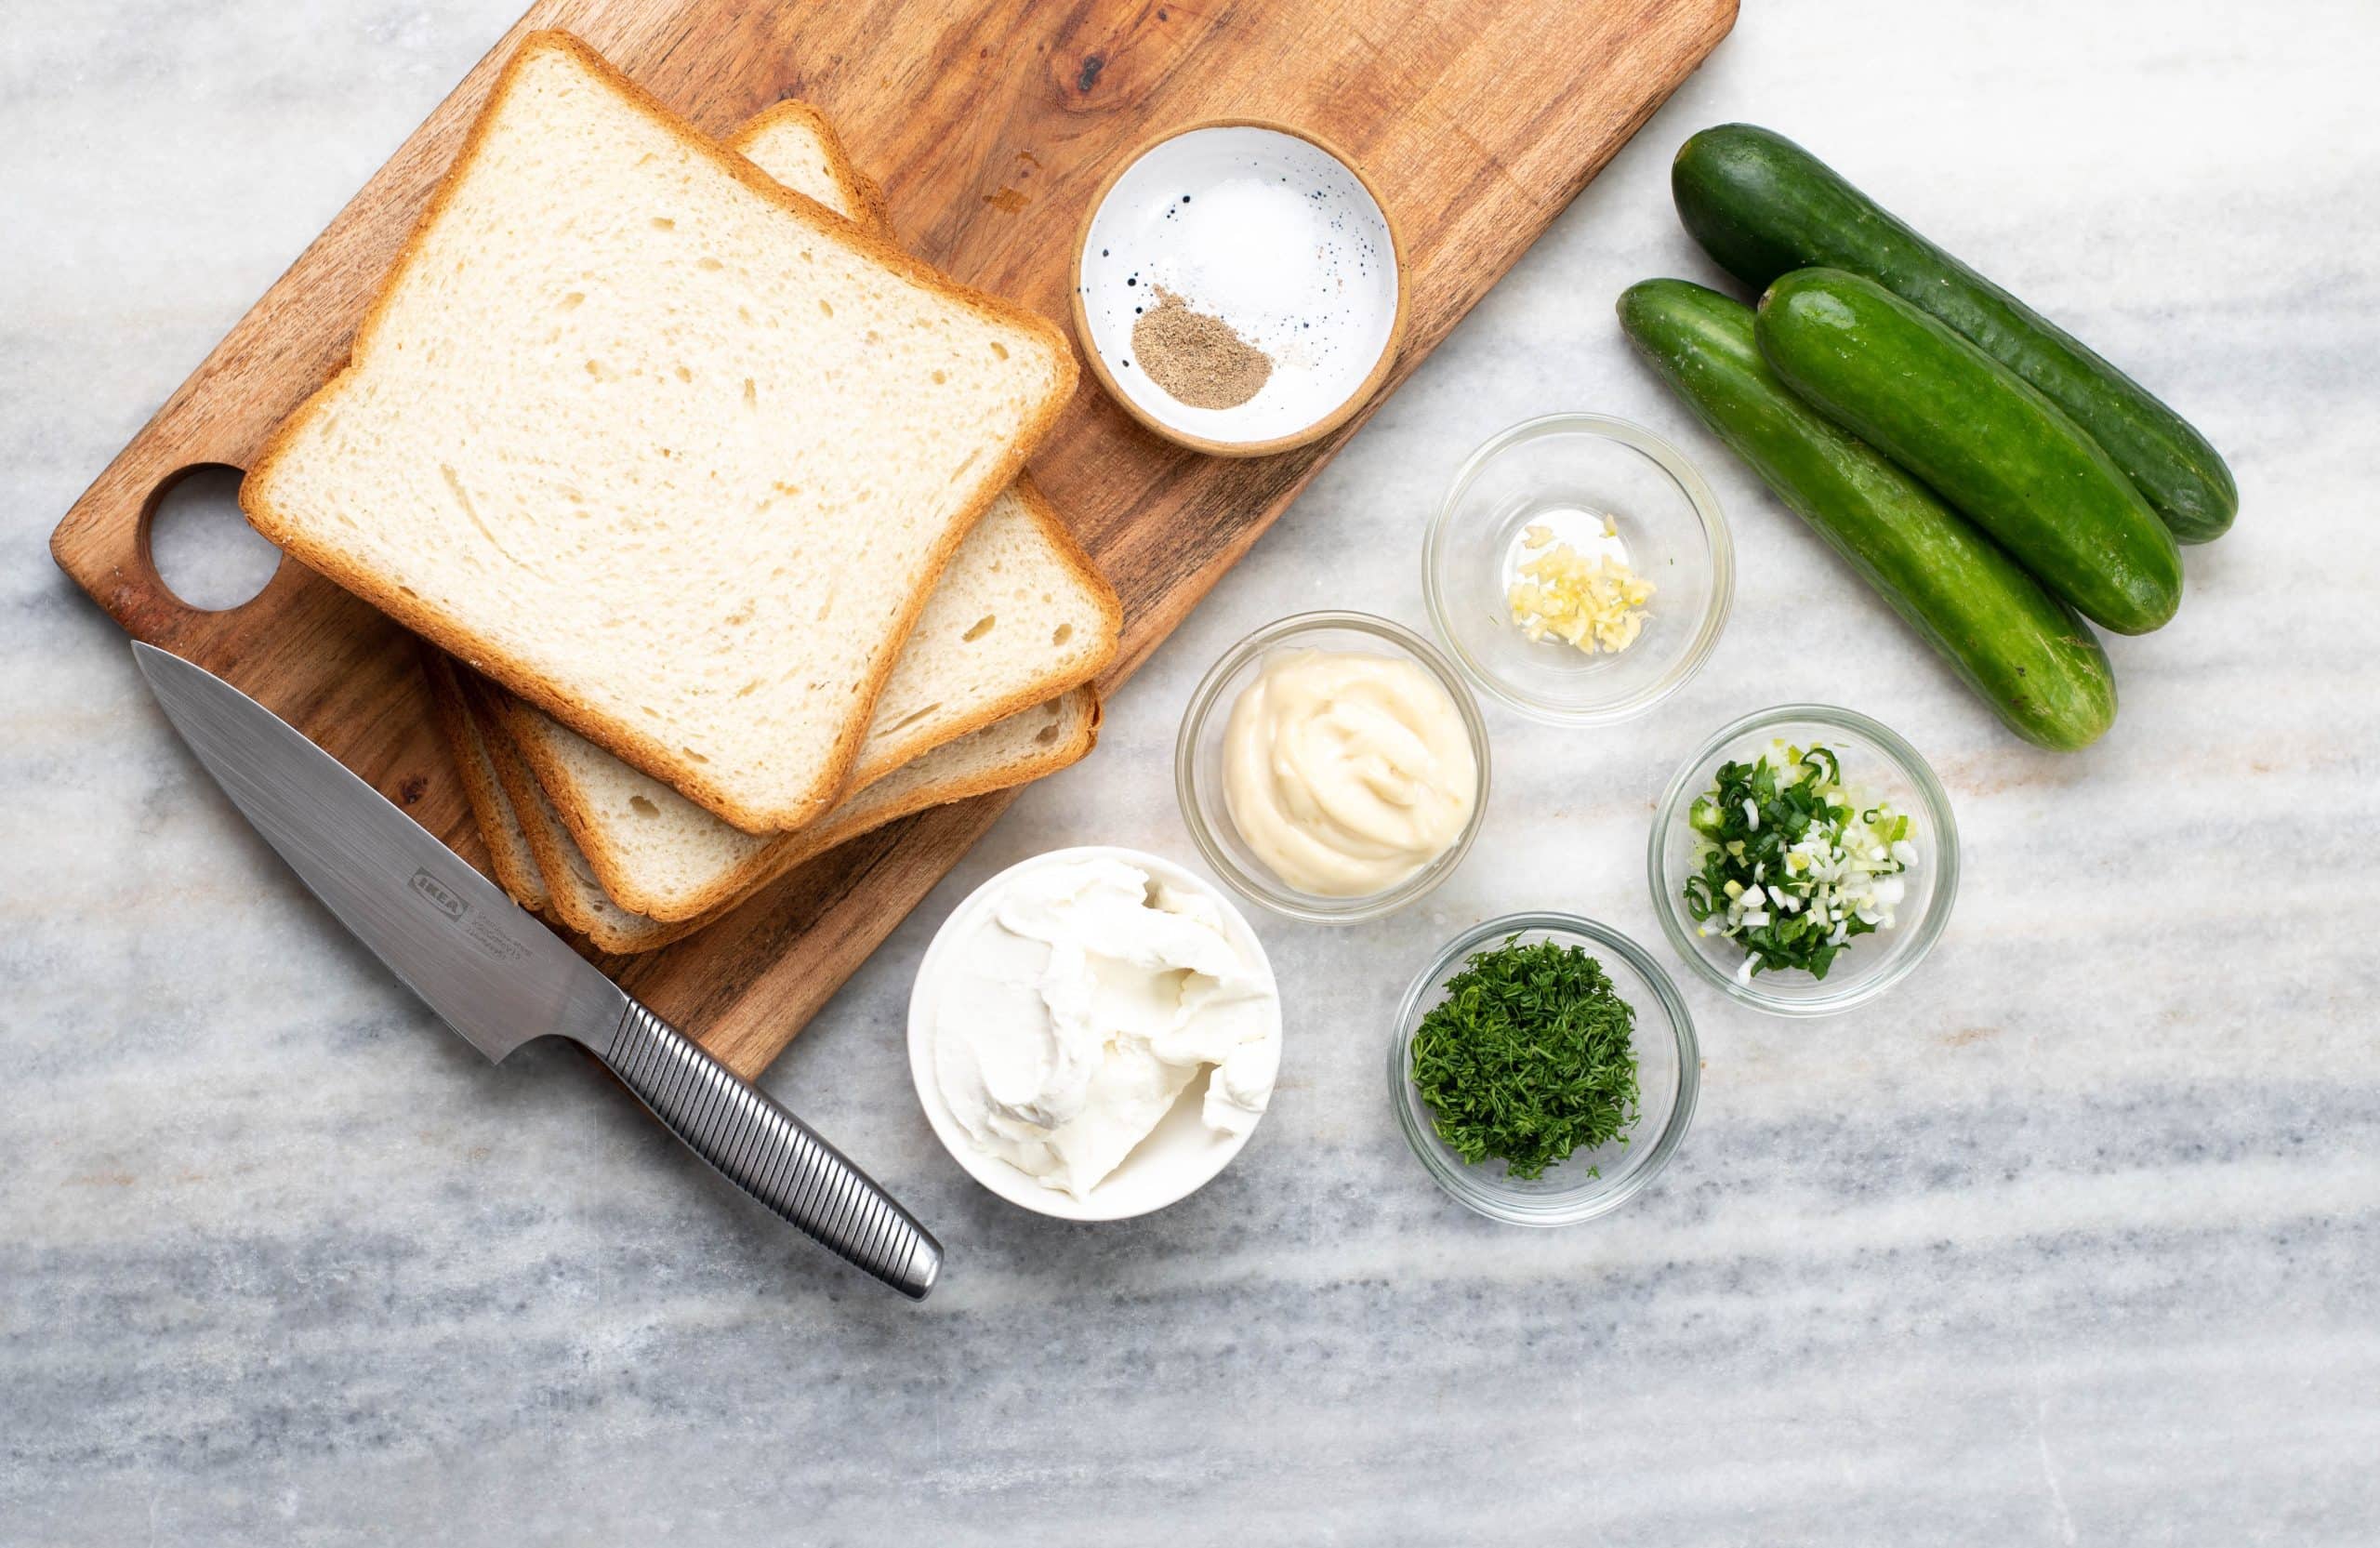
2074,1238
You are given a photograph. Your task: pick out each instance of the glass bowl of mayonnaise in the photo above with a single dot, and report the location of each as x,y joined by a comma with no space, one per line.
1332,767
1579,569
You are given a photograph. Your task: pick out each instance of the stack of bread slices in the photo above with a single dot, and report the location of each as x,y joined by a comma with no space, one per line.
709,501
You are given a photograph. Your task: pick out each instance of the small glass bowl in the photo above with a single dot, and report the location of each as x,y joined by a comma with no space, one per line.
1669,1073
1881,766
1198,756
1567,470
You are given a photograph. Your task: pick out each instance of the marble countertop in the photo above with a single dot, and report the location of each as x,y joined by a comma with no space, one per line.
2073,1238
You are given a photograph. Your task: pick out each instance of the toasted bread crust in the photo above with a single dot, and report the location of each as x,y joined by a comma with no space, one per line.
865,199
490,803
530,736
547,840
796,848
630,743
1064,753
875,763
850,817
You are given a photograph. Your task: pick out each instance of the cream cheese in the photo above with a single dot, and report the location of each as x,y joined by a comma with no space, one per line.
1081,1007
1345,772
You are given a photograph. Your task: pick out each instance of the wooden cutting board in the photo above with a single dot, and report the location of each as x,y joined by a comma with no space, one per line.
990,124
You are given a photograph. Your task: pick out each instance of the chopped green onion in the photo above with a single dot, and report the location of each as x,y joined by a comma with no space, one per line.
1789,866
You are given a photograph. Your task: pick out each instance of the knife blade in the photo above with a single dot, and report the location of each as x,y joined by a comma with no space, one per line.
501,979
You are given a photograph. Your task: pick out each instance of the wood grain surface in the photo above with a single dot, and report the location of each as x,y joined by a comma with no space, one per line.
988,122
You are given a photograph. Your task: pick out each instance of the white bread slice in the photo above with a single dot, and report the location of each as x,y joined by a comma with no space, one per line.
681,852
1014,751
793,142
1019,616
1021,612
578,900
507,843
661,445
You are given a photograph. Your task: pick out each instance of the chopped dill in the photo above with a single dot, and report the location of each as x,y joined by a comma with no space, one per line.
1528,1058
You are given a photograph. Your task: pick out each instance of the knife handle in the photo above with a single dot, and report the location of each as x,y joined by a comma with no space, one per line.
770,1153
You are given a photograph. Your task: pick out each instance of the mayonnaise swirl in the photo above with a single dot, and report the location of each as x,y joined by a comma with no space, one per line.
1346,773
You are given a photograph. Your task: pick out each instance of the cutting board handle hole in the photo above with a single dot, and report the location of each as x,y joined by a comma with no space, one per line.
200,547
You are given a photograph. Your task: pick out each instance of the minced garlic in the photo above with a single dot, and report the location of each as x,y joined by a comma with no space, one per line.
1597,605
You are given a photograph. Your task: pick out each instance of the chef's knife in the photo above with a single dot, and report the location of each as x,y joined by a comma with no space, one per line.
501,979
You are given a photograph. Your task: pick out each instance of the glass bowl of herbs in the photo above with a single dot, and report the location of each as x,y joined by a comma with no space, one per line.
1544,1068
1804,860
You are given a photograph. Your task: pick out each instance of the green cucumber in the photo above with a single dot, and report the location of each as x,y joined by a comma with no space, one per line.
1999,452
2022,651
1763,207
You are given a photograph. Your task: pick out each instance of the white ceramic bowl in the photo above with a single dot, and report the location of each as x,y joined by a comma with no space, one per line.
1274,233
1180,1156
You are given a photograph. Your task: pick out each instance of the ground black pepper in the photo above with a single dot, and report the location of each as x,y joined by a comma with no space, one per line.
1200,360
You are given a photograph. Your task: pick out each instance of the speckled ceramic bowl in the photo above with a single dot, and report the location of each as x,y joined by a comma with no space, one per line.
1274,232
